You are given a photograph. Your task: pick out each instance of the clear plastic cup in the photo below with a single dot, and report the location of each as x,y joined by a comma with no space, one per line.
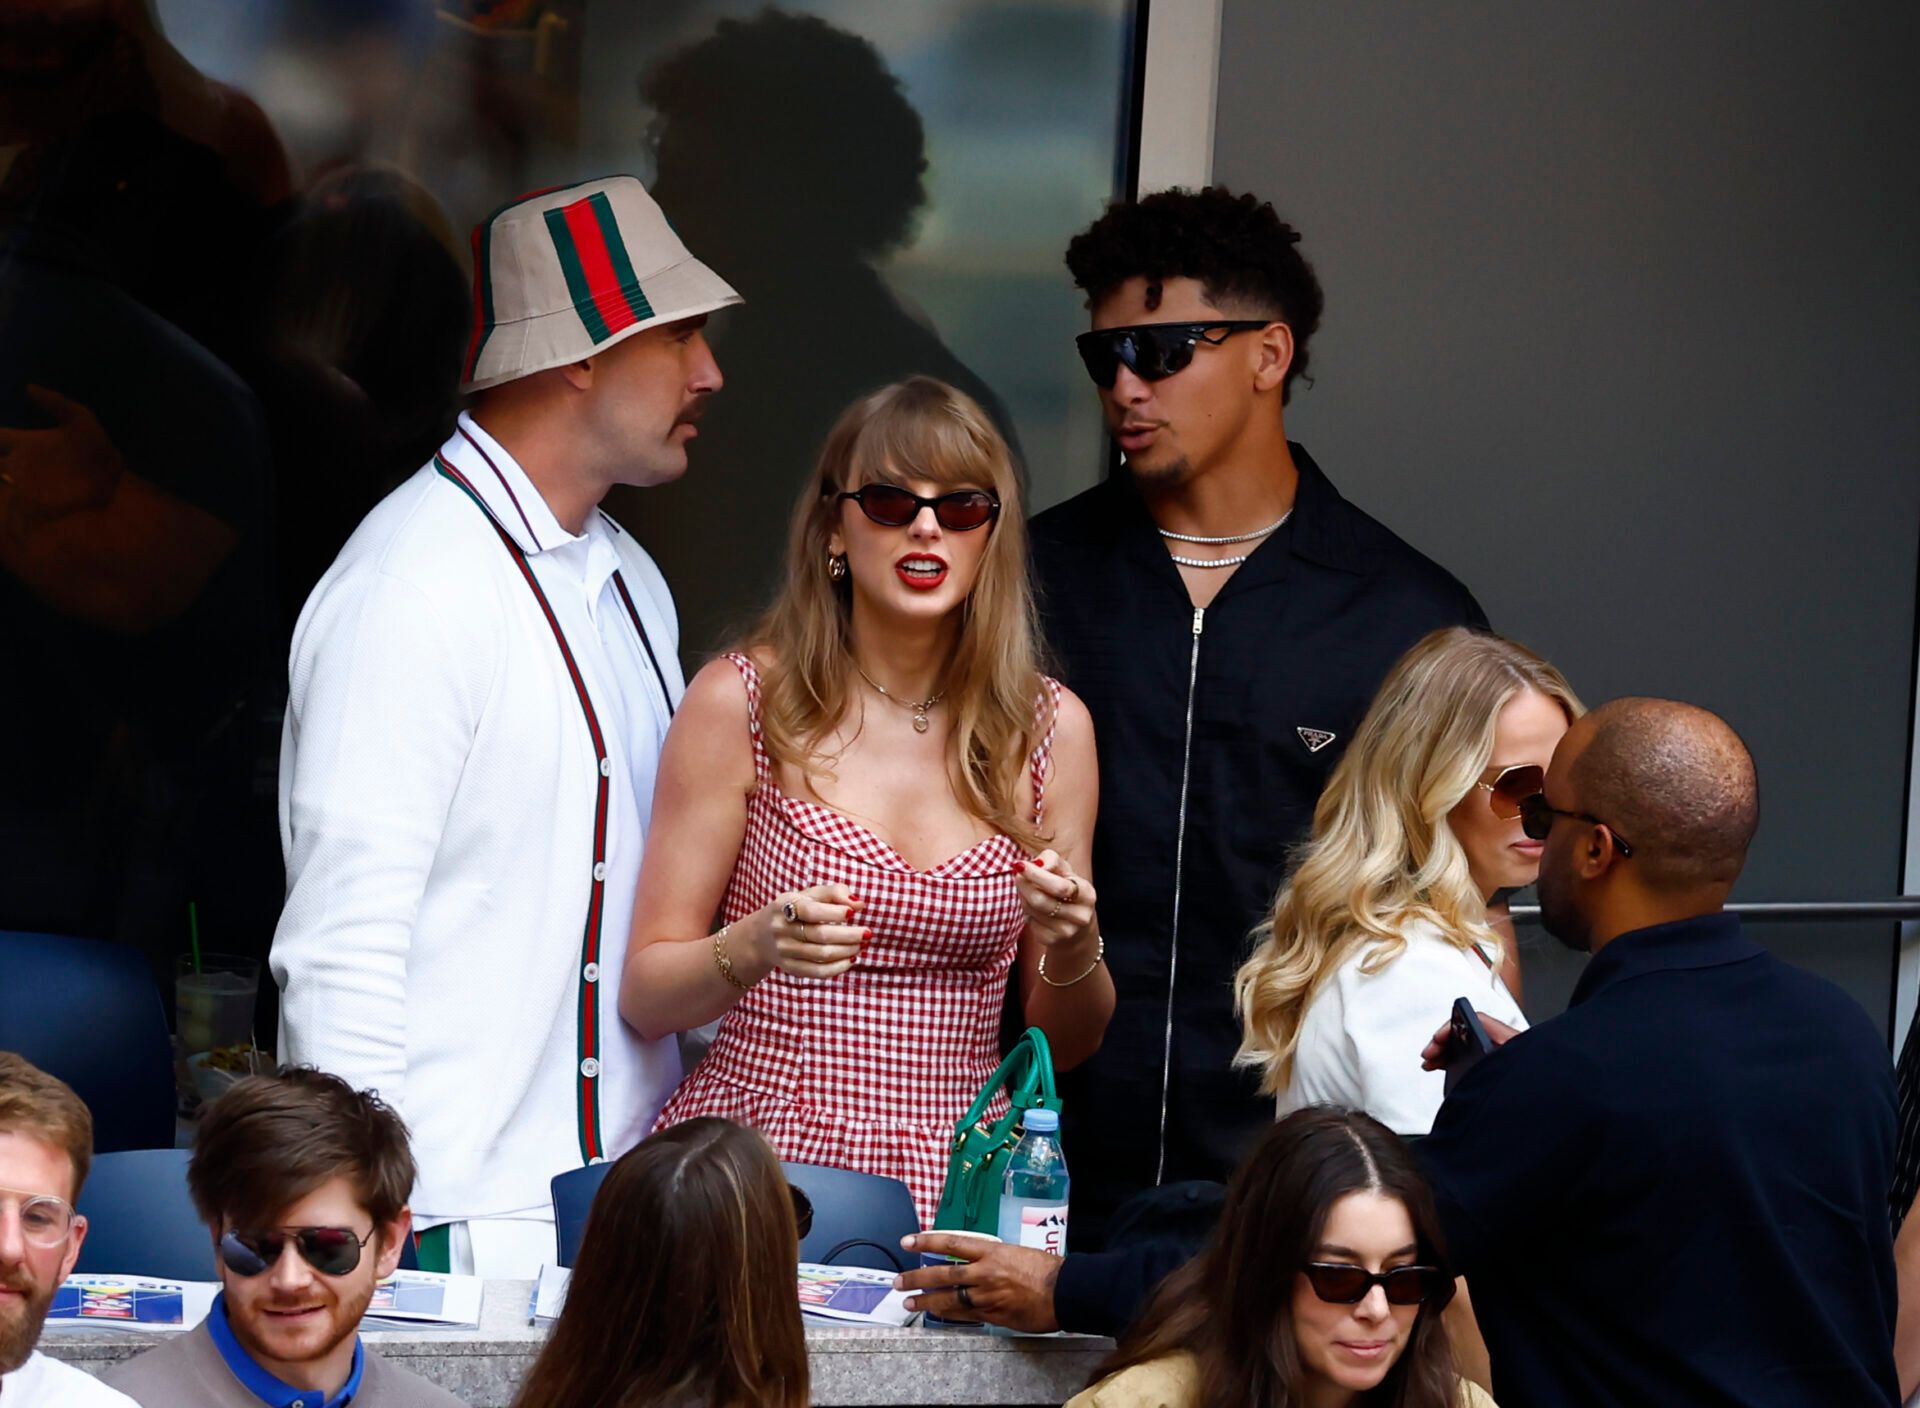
213,1008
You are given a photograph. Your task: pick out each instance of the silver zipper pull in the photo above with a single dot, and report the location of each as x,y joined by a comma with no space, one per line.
1199,615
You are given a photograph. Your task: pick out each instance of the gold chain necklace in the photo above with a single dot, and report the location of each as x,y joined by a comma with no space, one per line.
919,709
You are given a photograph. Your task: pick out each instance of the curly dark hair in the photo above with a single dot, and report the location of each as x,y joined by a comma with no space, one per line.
1246,258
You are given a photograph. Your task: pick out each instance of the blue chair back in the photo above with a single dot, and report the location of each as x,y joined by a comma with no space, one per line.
141,1220
572,1200
858,1218
90,1013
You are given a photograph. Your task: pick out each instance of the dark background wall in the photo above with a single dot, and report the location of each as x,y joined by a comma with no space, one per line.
1621,326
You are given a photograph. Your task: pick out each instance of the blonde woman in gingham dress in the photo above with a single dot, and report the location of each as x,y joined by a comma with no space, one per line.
889,808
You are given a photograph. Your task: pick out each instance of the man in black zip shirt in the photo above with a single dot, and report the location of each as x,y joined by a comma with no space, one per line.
1227,616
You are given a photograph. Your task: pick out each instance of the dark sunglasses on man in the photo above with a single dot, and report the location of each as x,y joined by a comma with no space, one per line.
1340,1284
332,1251
1536,820
1153,351
893,507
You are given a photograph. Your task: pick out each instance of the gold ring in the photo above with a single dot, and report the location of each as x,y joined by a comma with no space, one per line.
1058,905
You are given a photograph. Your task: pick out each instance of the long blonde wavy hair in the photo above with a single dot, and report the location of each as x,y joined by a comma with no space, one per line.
1382,854
919,428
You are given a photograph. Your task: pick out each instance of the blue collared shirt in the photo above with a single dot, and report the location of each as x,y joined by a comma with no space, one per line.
264,1386
1674,1193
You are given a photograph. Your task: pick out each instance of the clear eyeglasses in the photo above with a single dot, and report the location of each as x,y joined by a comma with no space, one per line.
45,1220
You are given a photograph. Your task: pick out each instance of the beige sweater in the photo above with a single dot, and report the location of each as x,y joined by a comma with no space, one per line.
1173,1381
188,1372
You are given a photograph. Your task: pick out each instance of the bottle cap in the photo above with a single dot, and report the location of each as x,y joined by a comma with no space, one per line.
1042,1121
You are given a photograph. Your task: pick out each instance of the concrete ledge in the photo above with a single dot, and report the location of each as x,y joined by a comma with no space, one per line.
851,1365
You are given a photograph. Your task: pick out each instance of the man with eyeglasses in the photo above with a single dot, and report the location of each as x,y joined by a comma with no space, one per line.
303,1183
479,690
1226,615
46,1147
1675,1192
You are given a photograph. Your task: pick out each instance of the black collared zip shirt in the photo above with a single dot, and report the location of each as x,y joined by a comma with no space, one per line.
1216,730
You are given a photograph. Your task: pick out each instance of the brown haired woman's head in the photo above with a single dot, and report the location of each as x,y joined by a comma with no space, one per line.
1327,1270
684,1283
911,520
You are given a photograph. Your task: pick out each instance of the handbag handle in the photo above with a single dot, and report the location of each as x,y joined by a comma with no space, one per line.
1031,1056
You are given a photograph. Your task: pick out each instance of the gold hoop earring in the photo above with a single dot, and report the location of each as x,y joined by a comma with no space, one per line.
836,567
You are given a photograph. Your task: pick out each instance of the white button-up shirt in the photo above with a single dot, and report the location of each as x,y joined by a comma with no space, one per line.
440,811
1361,1038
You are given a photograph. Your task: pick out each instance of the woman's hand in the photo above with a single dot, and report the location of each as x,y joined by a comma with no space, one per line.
1059,903
818,941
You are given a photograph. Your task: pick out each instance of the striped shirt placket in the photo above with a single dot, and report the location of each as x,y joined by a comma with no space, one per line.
588,1044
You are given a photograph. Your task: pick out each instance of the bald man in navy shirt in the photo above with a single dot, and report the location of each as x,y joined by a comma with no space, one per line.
1676,1191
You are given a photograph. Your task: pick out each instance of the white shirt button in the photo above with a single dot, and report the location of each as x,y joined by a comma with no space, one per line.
591,972
606,767
590,1067
600,870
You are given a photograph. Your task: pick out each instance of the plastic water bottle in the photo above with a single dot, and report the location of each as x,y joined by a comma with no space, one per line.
1033,1205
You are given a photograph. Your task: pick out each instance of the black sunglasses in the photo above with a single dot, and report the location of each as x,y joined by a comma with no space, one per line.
1339,1284
893,507
802,1210
1536,820
1152,351
332,1251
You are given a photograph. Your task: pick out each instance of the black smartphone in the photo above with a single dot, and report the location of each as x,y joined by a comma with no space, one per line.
1467,1042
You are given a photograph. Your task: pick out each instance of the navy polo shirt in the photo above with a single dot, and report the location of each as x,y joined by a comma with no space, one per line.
1675,1193
268,1388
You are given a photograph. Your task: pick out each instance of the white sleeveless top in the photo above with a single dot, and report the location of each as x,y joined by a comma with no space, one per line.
1361,1040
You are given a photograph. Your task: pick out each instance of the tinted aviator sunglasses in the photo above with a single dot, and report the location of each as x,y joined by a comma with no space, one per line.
1508,788
332,1251
1152,351
1339,1284
893,507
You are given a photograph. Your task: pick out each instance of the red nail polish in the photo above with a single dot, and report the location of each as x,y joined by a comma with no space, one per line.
865,934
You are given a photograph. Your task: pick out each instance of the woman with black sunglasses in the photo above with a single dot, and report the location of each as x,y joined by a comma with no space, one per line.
888,805
1321,1287
1385,921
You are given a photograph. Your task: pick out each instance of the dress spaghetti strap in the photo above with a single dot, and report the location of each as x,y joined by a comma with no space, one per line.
750,676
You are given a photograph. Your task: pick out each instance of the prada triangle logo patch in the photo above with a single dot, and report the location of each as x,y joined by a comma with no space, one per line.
1315,738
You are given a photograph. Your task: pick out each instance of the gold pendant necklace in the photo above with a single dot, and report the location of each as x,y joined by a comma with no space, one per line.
920,723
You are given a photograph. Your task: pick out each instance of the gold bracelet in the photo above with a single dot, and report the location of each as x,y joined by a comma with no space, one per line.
722,962
1099,957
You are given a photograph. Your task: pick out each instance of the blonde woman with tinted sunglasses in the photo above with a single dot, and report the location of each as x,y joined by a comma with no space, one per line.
1384,920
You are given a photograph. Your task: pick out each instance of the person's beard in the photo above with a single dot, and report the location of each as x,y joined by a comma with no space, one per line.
20,1331
1559,916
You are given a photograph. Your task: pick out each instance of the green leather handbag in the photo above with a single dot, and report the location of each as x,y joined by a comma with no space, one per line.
970,1202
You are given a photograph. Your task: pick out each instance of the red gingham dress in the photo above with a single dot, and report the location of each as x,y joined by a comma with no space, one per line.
870,1070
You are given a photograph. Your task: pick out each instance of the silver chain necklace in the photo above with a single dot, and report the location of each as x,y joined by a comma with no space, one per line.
1231,538
1172,536
920,723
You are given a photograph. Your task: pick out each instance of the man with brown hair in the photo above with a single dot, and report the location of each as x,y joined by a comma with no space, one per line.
303,1182
46,1146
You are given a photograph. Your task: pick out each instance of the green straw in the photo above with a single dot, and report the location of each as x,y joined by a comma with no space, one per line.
193,932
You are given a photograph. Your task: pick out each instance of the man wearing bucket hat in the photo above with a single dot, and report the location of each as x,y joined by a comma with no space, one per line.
479,689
